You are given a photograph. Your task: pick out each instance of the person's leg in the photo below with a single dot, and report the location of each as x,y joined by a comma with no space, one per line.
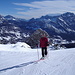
42,52
45,50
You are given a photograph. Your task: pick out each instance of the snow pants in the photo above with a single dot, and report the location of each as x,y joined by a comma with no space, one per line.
44,51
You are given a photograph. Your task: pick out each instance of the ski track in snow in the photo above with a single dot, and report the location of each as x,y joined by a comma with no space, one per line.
63,66
57,63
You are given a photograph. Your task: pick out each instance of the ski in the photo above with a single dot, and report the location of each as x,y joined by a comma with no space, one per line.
39,60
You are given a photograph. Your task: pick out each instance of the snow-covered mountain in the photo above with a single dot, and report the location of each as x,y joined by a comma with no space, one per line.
16,29
9,17
17,59
10,31
63,25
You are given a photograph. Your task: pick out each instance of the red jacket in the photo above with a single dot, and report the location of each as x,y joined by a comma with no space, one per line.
43,42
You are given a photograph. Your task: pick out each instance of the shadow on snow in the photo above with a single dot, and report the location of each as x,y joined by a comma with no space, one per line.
17,66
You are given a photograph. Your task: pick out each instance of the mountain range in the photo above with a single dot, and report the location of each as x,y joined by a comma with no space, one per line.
16,29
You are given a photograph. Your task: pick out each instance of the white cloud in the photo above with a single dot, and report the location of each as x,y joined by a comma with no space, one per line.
33,4
19,8
40,8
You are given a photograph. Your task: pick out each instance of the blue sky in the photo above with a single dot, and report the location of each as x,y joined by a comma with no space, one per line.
35,8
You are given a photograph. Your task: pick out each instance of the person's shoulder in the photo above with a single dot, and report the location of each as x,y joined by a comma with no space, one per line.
44,38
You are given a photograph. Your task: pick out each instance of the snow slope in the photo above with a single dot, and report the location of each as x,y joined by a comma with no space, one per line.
19,60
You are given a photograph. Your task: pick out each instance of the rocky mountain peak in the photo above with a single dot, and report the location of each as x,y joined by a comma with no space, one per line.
35,37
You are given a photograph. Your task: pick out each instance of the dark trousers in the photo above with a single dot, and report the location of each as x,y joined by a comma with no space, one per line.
44,51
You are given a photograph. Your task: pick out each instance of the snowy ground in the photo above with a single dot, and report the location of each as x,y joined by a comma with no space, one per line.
19,59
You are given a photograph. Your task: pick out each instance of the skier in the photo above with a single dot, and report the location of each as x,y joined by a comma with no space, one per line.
43,44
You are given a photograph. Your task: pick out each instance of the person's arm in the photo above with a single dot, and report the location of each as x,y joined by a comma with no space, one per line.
47,42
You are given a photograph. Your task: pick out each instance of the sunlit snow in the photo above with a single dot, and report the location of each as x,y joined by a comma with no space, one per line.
19,59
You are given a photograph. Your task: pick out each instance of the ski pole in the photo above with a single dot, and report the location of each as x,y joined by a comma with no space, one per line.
37,52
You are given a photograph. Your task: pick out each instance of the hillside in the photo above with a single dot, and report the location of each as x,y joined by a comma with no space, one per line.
20,62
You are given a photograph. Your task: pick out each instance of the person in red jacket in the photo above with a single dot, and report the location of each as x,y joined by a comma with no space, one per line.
43,45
